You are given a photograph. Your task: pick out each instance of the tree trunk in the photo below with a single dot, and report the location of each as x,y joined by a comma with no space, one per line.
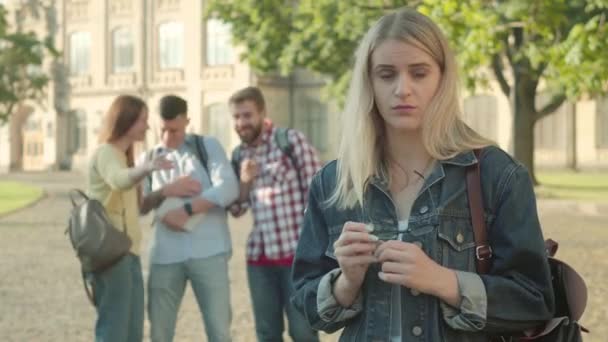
522,100
524,140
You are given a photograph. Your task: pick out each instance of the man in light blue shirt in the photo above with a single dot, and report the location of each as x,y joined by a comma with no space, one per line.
191,239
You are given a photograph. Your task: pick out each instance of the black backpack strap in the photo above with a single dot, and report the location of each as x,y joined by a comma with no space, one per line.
235,160
281,137
201,150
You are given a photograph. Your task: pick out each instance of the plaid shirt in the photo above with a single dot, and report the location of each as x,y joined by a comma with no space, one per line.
276,199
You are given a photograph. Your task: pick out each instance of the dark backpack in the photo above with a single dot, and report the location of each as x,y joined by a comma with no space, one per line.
569,287
195,142
281,138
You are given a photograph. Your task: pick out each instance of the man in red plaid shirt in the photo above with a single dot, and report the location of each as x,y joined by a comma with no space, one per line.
275,189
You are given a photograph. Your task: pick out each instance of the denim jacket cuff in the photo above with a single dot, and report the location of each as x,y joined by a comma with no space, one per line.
472,313
328,307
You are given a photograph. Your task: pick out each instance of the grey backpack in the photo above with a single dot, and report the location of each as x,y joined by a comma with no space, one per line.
98,244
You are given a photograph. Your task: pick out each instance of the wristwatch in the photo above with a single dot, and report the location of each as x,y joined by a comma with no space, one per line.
188,208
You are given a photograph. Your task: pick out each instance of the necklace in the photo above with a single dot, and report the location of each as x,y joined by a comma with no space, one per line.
414,171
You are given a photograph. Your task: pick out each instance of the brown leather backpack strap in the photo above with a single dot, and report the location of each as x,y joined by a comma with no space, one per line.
483,251
551,247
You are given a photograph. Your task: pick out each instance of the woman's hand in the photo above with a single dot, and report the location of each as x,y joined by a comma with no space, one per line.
159,162
354,250
406,264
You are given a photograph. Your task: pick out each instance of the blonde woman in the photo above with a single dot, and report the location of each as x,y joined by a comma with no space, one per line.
118,290
387,248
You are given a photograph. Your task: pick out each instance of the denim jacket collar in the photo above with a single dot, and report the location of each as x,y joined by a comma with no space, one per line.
463,159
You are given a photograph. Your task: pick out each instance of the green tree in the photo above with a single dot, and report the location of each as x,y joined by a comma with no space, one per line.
21,58
555,47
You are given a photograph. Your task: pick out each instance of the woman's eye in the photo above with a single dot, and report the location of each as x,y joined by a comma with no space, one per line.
386,76
419,74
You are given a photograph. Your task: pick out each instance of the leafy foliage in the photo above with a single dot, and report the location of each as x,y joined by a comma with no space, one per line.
21,60
561,44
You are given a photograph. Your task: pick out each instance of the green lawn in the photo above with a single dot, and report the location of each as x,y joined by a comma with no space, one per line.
573,185
15,195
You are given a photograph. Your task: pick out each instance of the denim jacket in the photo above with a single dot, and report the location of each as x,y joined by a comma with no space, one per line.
515,295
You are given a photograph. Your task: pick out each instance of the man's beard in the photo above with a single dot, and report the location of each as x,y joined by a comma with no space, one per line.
255,133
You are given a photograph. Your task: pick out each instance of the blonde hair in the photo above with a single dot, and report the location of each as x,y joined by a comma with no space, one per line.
444,134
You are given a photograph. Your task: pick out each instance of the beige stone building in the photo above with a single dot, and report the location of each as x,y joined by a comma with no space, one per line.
148,48
151,48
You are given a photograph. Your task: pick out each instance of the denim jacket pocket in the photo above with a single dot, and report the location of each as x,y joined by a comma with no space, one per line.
457,244
334,234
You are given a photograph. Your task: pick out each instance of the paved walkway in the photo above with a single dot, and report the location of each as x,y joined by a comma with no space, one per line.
41,296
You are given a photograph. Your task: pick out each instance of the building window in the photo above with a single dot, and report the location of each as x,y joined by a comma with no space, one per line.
78,131
122,50
219,47
218,123
80,53
481,113
601,125
171,45
312,121
50,133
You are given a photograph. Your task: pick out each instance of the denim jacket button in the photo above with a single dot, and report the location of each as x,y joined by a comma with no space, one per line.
417,331
459,238
414,292
424,209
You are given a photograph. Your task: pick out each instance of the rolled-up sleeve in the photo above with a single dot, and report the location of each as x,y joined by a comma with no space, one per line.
328,307
471,314
225,188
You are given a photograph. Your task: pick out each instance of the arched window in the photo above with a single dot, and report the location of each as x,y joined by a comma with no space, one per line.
219,46
171,45
122,50
80,53
219,124
312,121
77,135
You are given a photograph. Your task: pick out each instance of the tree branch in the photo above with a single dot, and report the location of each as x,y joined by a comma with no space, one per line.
508,50
556,101
498,68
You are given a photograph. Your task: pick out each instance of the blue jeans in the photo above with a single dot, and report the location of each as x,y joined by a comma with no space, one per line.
271,288
119,294
211,285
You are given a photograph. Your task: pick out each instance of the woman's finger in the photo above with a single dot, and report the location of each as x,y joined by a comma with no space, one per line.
355,249
357,227
354,237
390,254
393,267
